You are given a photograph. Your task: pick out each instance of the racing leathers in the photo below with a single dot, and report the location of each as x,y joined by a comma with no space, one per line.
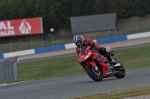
102,51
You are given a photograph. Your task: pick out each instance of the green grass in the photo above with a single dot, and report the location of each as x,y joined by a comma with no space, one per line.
119,94
68,66
51,68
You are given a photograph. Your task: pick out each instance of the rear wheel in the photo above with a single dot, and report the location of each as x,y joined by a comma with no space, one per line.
121,72
94,73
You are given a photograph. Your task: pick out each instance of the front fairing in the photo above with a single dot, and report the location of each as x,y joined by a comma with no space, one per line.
84,57
86,54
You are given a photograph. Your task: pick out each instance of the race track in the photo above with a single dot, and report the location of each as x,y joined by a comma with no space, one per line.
67,87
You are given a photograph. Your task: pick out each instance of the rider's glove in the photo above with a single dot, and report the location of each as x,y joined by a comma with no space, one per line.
105,51
108,50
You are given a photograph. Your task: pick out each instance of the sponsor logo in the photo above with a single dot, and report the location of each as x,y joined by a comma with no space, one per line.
6,28
20,27
25,27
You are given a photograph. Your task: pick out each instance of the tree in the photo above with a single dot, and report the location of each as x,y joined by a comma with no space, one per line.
57,13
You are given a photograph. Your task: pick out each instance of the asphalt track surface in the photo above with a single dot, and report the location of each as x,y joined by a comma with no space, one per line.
67,87
74,86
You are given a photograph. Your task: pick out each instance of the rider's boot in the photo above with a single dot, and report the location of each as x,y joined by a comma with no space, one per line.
113,62
116,63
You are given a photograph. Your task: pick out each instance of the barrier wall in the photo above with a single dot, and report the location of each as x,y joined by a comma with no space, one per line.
113,39
49,49
72,45
19,53
1,56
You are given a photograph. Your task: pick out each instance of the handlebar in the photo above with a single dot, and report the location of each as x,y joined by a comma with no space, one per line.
110,54
95,50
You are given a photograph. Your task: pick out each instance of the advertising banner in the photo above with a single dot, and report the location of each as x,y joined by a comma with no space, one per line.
21,27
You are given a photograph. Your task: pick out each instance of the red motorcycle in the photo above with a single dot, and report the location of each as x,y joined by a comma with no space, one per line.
91,61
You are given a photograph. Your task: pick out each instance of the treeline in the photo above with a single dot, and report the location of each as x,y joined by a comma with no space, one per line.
57,13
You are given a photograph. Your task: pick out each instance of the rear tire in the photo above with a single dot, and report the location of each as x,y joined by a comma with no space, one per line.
121,72
94,74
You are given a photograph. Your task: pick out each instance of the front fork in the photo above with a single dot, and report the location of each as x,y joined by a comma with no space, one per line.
92,64
103,63
104,67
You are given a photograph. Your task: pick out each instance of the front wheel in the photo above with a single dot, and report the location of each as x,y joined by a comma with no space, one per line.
95,74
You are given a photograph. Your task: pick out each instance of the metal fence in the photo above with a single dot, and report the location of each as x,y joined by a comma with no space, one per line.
9,69
123,27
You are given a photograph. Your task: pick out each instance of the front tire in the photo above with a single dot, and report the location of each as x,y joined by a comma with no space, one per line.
94,74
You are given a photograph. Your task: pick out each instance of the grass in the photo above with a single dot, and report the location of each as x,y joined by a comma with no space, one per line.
131,59
119,94
51,68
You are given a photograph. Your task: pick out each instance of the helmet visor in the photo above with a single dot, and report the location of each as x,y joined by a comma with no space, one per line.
78,43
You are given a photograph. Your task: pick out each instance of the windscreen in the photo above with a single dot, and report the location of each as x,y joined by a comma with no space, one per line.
82,49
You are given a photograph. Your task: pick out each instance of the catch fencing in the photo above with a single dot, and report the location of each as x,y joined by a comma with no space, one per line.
9,69
126,26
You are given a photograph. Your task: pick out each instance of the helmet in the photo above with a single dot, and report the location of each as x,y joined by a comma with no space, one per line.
78,39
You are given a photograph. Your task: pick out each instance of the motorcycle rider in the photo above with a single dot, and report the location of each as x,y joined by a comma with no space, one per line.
80,41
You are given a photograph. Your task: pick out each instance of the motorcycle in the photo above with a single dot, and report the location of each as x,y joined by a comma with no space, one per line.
97,70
